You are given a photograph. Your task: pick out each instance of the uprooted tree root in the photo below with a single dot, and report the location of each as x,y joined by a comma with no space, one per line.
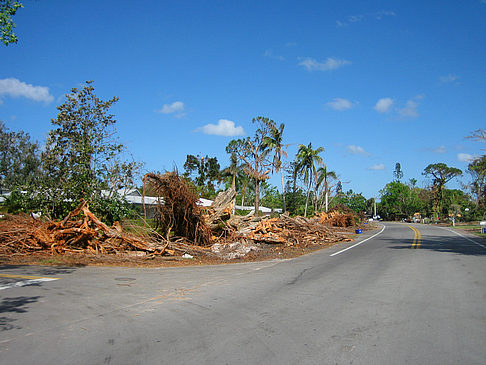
82,232
79,231
179,212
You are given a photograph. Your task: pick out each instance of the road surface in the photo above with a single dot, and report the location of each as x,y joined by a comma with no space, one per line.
404,294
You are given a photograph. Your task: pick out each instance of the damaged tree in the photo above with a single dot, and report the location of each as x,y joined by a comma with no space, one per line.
178,212
254,152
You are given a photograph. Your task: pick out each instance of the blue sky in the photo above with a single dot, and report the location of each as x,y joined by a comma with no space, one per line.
374,83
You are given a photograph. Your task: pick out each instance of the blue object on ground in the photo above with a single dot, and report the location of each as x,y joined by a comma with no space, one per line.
359,231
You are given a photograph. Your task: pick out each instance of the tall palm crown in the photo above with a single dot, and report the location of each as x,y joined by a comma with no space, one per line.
232,170
322,178
323,175
274,142
306,160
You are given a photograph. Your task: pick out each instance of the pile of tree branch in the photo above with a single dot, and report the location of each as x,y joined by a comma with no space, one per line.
337,219
186,228
79,231
294,231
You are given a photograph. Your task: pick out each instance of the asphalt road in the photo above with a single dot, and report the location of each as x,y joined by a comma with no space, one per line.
407,294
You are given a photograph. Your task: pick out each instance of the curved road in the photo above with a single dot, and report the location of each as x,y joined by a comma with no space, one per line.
403,294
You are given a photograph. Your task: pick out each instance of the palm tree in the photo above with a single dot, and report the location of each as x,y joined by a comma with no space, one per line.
239,178
306,159
274,142
323,176
232,170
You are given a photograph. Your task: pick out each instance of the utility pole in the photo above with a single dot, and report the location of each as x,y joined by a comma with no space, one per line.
374,206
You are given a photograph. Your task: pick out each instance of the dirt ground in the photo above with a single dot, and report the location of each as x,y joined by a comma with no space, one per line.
133,259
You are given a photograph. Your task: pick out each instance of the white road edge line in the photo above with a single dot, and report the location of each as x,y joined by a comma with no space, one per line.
359,243
25,282
469,239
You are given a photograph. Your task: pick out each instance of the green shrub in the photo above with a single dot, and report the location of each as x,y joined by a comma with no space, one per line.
110,210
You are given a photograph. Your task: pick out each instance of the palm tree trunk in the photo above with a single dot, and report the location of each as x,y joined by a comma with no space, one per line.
327,201
326,189
294,188
307,198
283,192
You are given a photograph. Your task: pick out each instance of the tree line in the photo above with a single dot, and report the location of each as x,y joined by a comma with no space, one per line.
405,200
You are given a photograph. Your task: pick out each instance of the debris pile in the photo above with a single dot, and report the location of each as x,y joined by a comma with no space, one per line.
235,250
294,231
220,212
337,219
183,228
179,214
79,231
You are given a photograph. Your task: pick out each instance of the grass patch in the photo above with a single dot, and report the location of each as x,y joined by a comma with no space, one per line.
137,226
52,261
478,227
474,229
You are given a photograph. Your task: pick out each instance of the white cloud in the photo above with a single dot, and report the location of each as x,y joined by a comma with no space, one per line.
224,127
16,88
311,64
440,149
465,157
410,109
448,79
357,150
340,104
378,15
383,105
175,107
381,14
377,167
269,53
355,18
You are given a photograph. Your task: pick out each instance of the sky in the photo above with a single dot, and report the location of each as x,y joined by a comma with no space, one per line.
373,83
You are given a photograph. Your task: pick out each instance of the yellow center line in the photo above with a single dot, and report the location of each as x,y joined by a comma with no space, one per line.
416,238
28,277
